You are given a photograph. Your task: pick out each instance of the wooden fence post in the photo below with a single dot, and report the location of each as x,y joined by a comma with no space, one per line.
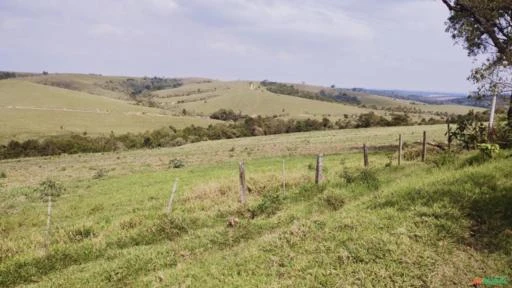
48,224
365,155
319,167
400,146
424,150
171,199
243,185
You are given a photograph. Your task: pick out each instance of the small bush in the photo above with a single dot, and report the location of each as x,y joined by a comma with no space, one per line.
334,201
101,173
131,223
488,151
3,175
176,163
50,188
269,205
78,234
169,227
366,177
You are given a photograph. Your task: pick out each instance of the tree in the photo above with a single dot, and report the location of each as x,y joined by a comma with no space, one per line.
484,27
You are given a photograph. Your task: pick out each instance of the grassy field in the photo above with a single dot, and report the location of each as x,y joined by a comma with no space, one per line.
435,224
30,171
210,97
35,110
38,106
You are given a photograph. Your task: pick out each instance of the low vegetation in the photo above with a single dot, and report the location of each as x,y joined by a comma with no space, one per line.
358,220
323,95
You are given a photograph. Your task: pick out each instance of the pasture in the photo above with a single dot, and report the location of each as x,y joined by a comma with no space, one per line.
435,224
30,110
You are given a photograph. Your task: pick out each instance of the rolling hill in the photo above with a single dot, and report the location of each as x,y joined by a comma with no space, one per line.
41,105
33,110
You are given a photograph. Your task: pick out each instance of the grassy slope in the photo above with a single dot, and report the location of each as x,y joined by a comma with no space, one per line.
421,226
30,171
239,97
33,110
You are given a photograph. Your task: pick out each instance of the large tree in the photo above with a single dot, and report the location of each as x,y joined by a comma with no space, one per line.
484,27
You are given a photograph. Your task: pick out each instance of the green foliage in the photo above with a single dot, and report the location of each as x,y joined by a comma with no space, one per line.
443,159
50,187
226,115
80,233
334,201
3,174
7,75
470,130
140,86
169,227
285,89
488,151
371,119
365,177
269,205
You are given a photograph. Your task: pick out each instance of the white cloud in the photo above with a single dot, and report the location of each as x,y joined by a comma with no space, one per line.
308,17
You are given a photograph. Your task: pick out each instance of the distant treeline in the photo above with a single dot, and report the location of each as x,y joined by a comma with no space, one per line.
139,86
238,126
7,75
285,89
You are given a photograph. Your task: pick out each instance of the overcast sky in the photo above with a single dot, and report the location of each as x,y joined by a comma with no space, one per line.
351,43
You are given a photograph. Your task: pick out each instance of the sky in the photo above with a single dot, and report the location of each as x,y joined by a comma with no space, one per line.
386,44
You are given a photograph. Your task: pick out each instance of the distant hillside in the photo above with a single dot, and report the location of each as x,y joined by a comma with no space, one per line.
32,110
437,98
47,104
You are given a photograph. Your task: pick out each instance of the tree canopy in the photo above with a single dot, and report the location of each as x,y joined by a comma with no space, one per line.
484,27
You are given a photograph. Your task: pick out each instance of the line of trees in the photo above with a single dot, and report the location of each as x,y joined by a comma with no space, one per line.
236,126
290,90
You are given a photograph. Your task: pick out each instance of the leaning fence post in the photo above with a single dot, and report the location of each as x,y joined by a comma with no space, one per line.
48,224
171,199
319,163
365,155
400,145
424,150
243,185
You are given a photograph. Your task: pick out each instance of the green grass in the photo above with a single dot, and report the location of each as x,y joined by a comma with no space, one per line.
35,110
66,167
206,98
240,97
418,225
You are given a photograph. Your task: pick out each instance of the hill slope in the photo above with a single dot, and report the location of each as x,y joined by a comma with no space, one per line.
419,225
32,110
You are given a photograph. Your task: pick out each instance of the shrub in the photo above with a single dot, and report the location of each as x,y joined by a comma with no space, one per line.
3,175
176,163
49,188
100,174
269,205
80,233
334,201
169,227
488,151
366,177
